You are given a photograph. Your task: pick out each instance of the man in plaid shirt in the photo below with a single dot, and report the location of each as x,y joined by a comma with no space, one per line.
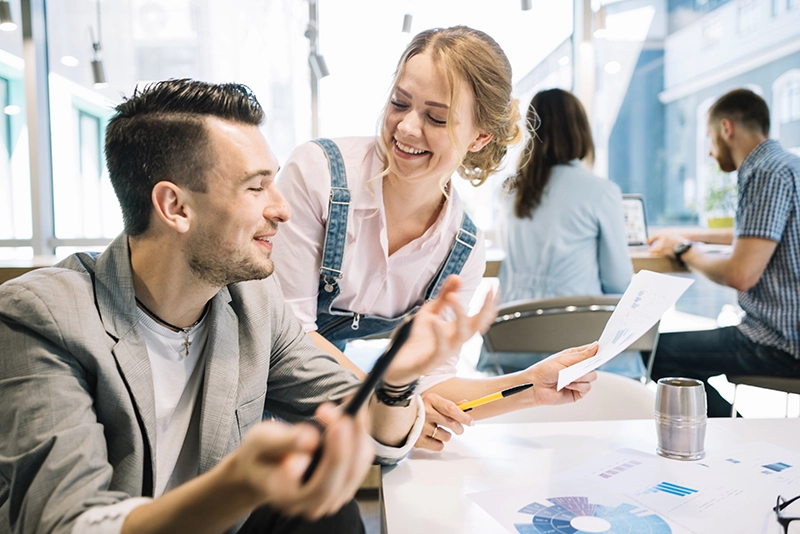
763,265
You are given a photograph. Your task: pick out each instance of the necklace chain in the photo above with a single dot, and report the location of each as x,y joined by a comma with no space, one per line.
185,331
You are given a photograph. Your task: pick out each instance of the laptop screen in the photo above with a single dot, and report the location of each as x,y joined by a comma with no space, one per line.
635,219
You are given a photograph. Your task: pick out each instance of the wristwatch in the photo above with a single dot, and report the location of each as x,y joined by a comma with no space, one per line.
681,249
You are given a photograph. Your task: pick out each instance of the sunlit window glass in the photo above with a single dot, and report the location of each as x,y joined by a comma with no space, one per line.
15,192
101,50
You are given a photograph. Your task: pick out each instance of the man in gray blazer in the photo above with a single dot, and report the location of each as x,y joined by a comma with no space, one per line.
133,382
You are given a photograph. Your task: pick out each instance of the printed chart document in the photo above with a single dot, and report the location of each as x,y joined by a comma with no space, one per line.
648,296
628,491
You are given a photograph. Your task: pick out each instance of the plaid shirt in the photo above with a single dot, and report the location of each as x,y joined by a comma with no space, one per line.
769,208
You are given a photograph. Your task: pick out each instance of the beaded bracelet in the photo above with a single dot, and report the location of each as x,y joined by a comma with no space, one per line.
395,395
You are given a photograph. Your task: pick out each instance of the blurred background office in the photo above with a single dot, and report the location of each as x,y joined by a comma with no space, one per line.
646,71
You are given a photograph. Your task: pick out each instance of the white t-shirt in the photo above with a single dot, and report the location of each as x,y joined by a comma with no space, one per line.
177,378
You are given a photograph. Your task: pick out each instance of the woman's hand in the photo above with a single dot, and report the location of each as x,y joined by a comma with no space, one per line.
440,327
544,376
442,418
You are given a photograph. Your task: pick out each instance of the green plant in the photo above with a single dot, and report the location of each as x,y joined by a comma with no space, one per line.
722,198
722,192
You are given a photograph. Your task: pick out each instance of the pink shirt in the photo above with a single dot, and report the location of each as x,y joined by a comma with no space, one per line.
373,282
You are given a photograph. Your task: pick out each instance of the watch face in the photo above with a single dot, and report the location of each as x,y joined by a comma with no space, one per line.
680,248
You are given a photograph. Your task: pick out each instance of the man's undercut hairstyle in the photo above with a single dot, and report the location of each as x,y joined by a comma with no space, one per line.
159,134
743,107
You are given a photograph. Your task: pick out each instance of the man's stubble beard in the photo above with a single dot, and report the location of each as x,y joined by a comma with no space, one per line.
724,157
213,264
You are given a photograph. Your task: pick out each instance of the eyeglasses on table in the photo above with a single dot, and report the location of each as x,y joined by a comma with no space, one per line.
780,506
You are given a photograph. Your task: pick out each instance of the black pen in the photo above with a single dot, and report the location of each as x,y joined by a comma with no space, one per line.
362,394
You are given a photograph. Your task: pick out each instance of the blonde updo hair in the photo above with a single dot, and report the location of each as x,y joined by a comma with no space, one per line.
471,56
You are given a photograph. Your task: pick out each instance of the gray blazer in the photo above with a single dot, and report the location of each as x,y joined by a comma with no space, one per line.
77,415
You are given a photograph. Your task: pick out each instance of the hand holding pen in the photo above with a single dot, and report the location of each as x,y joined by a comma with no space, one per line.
361,395
444,416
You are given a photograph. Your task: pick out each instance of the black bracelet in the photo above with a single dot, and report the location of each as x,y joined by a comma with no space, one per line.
395,395
398,389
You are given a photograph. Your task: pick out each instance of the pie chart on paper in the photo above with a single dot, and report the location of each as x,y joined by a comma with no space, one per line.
568,515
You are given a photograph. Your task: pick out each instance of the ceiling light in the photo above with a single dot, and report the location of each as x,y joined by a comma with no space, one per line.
98,74
318,65
600,31
6,22
613,67
406,23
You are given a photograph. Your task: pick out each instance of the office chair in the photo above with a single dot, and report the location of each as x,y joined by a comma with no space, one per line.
554,324
778,383
612,397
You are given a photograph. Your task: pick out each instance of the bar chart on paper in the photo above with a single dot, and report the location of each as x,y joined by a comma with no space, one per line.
672,489
776,468
733,491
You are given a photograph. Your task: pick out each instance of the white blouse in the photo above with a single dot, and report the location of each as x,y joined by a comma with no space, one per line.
373,282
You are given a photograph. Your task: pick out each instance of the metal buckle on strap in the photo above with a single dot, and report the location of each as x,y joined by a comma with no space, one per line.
468,233
323,273
473,236
468,245
333,195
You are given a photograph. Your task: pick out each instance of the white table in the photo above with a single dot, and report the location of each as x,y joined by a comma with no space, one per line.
427,492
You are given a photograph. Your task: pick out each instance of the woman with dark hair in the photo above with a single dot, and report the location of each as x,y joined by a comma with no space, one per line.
562,227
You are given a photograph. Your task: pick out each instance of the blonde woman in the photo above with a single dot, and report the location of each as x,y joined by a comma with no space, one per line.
377,226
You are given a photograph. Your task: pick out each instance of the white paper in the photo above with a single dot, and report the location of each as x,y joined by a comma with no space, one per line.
648,296
733,491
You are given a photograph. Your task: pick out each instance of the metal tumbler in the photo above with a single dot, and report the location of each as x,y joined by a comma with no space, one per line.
680,416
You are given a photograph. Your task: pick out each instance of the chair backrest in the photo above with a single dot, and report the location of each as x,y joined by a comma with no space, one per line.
554,324
612,397
778,383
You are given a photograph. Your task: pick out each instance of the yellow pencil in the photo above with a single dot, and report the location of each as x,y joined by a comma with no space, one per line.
467,406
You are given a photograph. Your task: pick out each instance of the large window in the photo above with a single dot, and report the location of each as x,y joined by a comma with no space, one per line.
787,97
6,185
258,43
747,17
713,31
15,187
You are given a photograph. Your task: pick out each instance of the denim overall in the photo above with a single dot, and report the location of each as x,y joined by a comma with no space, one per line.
339,326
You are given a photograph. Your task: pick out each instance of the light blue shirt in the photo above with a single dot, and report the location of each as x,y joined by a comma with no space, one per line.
573,244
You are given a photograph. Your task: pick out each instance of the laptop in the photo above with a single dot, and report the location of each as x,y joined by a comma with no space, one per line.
635,219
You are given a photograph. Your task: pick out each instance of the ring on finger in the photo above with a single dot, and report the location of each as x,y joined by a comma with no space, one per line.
433,434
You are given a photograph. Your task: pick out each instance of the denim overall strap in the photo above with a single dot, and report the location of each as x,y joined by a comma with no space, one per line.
456,258
338,325
339,203
335,238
